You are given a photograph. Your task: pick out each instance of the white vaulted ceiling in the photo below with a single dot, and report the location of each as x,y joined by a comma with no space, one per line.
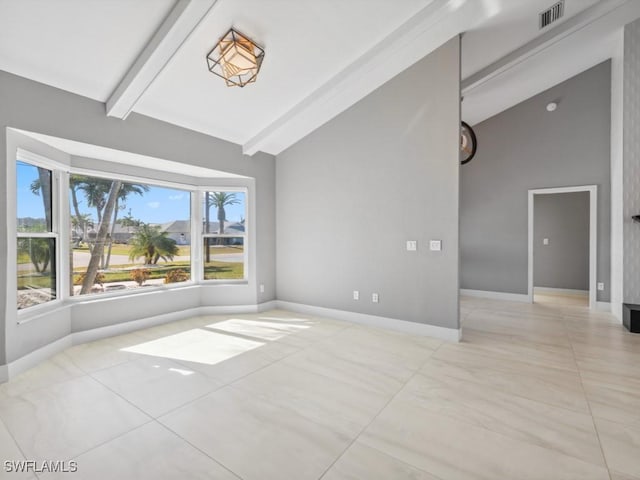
148,56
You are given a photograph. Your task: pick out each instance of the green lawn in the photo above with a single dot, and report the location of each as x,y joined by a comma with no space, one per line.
212,270
123,249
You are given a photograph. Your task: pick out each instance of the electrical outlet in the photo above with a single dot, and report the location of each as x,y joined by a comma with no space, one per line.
262,288
435,245
356,295
374,298
412,245
600,286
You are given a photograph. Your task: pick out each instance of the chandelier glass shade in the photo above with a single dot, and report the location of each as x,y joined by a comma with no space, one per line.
236,58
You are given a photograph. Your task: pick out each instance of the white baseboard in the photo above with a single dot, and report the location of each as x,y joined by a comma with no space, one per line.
603,306
41,354
561,291
38,356
413,328
512,297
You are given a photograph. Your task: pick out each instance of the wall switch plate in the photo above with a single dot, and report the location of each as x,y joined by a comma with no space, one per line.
356,295
412,245
262,288
374,298
435,245
545,241
600,286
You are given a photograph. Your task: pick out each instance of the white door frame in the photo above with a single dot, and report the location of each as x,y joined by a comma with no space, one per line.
593,235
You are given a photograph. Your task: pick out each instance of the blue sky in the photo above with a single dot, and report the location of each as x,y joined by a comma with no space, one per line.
158,205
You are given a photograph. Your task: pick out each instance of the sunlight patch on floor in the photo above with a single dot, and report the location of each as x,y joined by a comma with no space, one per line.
196,345
259,328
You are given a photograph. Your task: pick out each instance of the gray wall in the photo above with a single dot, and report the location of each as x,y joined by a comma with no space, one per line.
562,218
526,147
631,163
32,106
352,193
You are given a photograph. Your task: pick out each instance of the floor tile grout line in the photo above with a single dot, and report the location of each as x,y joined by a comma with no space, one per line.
109,440
584,391
199,449
14,440
375,417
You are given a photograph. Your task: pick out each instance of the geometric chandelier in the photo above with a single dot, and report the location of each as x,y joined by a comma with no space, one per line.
236,58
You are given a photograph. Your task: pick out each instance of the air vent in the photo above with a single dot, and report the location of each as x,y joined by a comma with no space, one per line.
550,15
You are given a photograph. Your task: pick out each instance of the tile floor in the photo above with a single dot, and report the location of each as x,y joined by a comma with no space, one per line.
545,391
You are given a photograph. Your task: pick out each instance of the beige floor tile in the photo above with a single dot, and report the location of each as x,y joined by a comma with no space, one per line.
509,401
255,439
104,353
450,449
613,397
557,387
243,363
9,452
555,428
149,452
351,369
66,419
360,462
621,445
622,476
58,368
156,385
510,348
342,407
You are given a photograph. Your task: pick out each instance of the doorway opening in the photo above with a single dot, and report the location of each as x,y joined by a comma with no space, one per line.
563,245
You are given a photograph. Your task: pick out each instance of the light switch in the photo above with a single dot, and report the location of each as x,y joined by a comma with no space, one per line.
412,245
435,245
545,241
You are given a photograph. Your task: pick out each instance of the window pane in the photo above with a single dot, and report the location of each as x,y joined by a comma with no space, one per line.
33,198
226,209
145,241
223,258
36,271
224,215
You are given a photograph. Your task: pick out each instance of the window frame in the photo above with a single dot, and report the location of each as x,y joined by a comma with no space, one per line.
153,182
57,180
245,259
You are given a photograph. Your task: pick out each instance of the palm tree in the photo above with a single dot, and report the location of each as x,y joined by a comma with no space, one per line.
103,232
152,244
218,200
125,190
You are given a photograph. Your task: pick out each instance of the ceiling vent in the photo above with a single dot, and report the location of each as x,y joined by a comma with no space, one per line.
551,14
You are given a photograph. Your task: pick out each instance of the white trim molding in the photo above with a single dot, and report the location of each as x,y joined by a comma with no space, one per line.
185,16
510,297
561,291
403,326
593,235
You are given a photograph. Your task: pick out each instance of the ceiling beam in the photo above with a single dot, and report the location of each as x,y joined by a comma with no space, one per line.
420,35
544,41
172,33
